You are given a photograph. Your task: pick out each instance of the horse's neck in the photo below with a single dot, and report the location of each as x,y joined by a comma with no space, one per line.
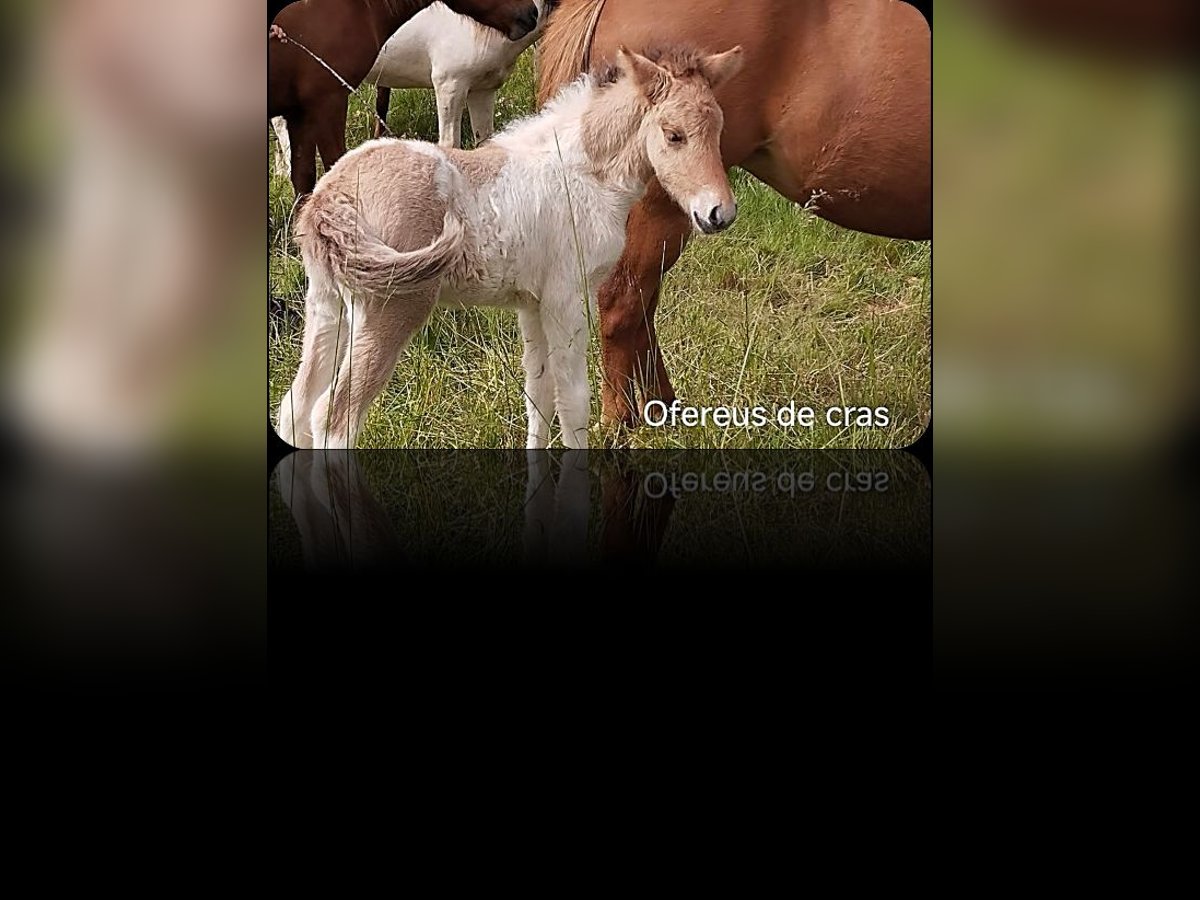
389,15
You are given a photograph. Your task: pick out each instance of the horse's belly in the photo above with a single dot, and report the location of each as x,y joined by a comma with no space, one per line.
490,79
402,65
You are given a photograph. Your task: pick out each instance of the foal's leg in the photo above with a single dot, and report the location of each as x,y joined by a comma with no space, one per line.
539,383
655,237
565,325
379,331
482,107
451,98
383,104
339,520
326,334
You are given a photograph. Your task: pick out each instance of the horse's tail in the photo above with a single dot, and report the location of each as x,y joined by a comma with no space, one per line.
336,242
566,46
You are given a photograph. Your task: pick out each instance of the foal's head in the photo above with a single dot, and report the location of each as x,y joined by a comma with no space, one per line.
678,125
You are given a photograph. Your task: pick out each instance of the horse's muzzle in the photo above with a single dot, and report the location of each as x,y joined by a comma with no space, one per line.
524,23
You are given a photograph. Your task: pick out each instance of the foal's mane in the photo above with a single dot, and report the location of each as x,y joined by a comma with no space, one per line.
680,60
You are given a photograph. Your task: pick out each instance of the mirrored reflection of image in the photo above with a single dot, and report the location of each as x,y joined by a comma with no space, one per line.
355,512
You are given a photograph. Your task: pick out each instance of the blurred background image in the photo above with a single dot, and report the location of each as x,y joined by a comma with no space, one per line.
136,264
1064,225
133,329
1064,372
134,267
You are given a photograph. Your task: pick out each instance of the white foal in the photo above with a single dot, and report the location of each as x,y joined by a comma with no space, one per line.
464,62
535,220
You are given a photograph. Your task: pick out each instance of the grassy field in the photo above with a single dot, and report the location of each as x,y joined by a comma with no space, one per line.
783,307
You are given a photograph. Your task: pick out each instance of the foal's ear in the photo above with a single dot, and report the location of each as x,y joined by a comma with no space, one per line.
720,67
650,78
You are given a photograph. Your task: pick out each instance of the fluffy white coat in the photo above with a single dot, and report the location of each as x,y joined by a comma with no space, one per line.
520,249
535,220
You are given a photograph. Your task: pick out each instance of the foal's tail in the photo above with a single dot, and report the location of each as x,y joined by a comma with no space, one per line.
565,48
333,237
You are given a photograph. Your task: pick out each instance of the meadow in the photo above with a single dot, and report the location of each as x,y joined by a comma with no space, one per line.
781,308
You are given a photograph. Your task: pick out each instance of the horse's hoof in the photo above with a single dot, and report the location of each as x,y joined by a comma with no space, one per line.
624,421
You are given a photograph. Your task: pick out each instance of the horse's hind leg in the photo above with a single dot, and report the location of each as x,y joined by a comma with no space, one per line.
331,129
451,99
482,107
326,334
378,330
283,147
383,104
655,237
304,153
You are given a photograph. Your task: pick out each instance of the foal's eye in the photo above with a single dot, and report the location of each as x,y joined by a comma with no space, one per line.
674,136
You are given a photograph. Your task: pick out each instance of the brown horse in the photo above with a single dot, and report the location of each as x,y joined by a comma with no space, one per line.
832,109
348,35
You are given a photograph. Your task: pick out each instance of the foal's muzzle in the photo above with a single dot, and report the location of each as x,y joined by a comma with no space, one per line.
715,218
524,23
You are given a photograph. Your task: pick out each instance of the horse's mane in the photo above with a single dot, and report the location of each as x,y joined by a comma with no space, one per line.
399,7
566,46
566,49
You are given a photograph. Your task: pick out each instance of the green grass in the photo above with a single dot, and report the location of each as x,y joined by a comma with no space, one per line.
782,307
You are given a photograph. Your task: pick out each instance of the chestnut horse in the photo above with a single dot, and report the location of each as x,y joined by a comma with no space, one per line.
832,109
348,35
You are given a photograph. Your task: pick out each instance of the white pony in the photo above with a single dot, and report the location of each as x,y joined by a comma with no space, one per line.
534,219
464,62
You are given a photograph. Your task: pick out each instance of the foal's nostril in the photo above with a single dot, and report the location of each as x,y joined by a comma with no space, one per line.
718,218
721,217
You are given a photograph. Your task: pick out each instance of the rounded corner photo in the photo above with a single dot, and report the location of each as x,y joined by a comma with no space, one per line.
599,223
